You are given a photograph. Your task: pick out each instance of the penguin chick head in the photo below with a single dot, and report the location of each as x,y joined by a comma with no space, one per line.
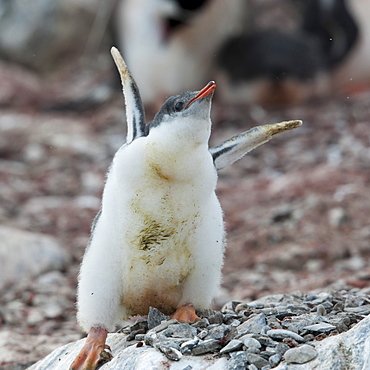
188,112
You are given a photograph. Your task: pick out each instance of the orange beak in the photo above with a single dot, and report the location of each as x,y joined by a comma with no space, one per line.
207,90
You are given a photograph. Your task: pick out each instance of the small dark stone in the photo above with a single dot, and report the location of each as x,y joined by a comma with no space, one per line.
217,318
133,334
218,332
281,348
140,324
182,330
155,317
238,361
275,359
201,324
257,360
253,325
228,319
253,350
339,307
210,345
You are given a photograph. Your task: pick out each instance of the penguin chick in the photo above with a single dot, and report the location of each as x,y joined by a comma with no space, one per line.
159,237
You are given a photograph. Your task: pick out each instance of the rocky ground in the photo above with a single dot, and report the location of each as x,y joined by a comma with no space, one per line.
296,209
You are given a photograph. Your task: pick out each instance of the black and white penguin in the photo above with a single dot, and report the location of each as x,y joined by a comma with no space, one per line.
352,74
159,237
272,66
166,59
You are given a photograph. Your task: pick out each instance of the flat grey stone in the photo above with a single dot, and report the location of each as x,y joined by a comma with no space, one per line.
218,332
217,318
183,330
281,348
187,346
209,345
275,359
164,325
300,355
25,255
238,361
283,333
252,325
155,317
233,345
257,360
321,327
170,352
248,341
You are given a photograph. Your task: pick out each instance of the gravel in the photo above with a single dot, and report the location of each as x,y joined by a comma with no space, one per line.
238,331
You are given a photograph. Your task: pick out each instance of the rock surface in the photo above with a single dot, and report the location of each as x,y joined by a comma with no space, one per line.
224,346
40,253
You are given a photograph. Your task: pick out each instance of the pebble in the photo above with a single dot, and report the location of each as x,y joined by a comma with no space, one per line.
170,352
233,345
187,346
155,317
238,361
180,331
209,345
274,360
283,333
322,327
257,360
250,342
253,325
300,355
274,329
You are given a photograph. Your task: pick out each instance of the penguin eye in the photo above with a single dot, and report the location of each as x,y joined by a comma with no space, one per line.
179,106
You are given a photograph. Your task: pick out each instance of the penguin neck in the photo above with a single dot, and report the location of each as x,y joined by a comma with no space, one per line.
177,155
181,135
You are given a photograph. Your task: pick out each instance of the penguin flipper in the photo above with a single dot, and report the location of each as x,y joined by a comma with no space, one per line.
235,148
134,106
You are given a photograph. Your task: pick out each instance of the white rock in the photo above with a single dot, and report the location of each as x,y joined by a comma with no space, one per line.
300,355
344,351
129,358
24,255
348,350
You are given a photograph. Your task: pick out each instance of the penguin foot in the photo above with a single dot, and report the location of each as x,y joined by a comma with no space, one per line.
185,313
92,352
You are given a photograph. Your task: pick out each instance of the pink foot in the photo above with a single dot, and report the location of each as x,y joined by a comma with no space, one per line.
90,353
185,313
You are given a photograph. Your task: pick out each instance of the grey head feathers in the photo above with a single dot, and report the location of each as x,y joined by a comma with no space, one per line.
174,106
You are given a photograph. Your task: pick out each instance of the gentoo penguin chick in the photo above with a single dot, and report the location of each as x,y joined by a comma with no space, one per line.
159,237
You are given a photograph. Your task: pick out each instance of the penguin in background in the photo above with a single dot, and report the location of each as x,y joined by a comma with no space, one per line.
159,238
352,74
275,67
169,45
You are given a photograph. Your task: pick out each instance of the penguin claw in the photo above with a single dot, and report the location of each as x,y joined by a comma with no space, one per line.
93,352
185,313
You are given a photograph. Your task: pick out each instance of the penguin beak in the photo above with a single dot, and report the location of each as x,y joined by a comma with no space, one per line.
207,90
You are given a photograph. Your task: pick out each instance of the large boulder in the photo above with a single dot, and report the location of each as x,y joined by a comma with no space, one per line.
24,255
40,34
